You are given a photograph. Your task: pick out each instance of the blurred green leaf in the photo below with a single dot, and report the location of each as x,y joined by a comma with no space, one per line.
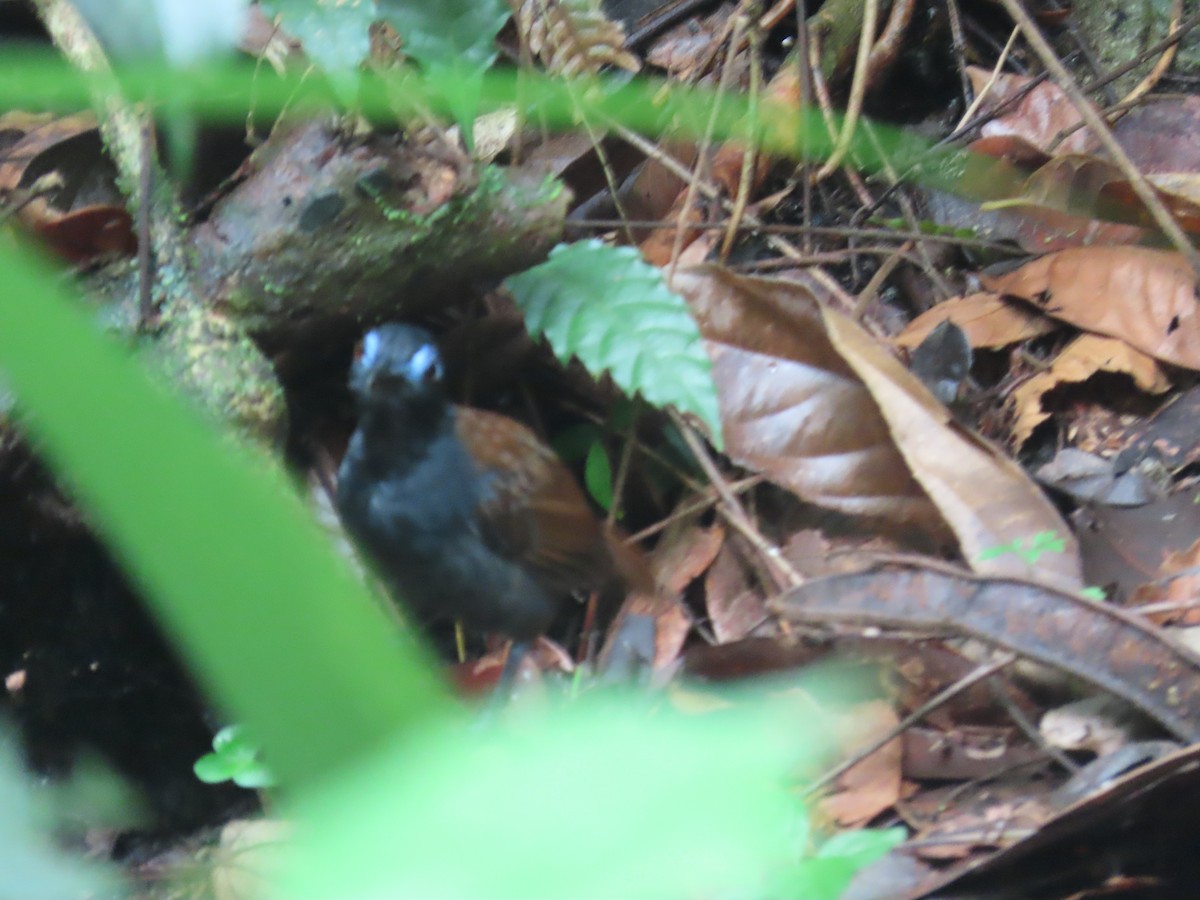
448,33
31,867
607,798
453,40
335,35
273,621
615,312
182,32
825,875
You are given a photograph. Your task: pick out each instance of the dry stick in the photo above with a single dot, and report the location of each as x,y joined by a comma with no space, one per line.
145,258
804,78
833,257
1001,662
610,178
706,188
981,95
749,155
1030,730
823,230
1009,103
732,509
1141,187
1164,61
909,214
867,294
885,50
858,90
708,496
689,197
827,281
825,103
120,123
958,43
618,489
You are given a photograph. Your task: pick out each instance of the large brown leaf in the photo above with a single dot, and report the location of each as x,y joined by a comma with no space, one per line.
816,404
987,498
791,407
1145,297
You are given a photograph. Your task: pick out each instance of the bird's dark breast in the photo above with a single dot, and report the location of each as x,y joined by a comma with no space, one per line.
419,527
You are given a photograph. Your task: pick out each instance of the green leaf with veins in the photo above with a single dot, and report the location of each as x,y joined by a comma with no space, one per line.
614,311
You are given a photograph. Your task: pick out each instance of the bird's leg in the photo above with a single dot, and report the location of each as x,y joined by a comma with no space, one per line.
502,693
460,641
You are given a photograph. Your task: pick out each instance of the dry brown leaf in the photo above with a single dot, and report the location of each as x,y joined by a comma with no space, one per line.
573,37
735,609
986,319
812,401
1144,297
1079,200
684,556
790,406
872,785
1079,361
988,499
1178,582
1162,135
1039,117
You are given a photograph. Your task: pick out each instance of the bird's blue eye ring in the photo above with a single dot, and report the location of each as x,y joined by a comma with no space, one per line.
370,349
425,364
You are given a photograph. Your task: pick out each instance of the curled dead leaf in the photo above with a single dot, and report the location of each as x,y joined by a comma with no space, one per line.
1079,361
1144,297
986,319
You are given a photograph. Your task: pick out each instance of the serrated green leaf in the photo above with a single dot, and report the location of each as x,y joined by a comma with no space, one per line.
614,311
335,35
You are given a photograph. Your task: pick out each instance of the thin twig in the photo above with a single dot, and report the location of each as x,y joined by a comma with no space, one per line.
749,155
145,257
732,508
980,674
1164,62
858,90
694,178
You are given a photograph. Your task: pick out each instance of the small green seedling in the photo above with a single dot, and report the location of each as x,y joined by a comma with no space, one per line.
1030,550
234,758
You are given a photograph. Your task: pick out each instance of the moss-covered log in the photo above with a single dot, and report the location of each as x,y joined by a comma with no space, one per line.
330,229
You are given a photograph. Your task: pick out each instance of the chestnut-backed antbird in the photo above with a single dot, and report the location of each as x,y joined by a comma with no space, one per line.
466,514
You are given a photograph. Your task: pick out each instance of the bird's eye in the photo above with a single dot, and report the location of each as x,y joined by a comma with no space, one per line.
370,349
426,364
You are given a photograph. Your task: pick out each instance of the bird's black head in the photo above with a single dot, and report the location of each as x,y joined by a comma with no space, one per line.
399,366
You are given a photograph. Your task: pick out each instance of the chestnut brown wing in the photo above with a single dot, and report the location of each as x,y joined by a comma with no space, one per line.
533,511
